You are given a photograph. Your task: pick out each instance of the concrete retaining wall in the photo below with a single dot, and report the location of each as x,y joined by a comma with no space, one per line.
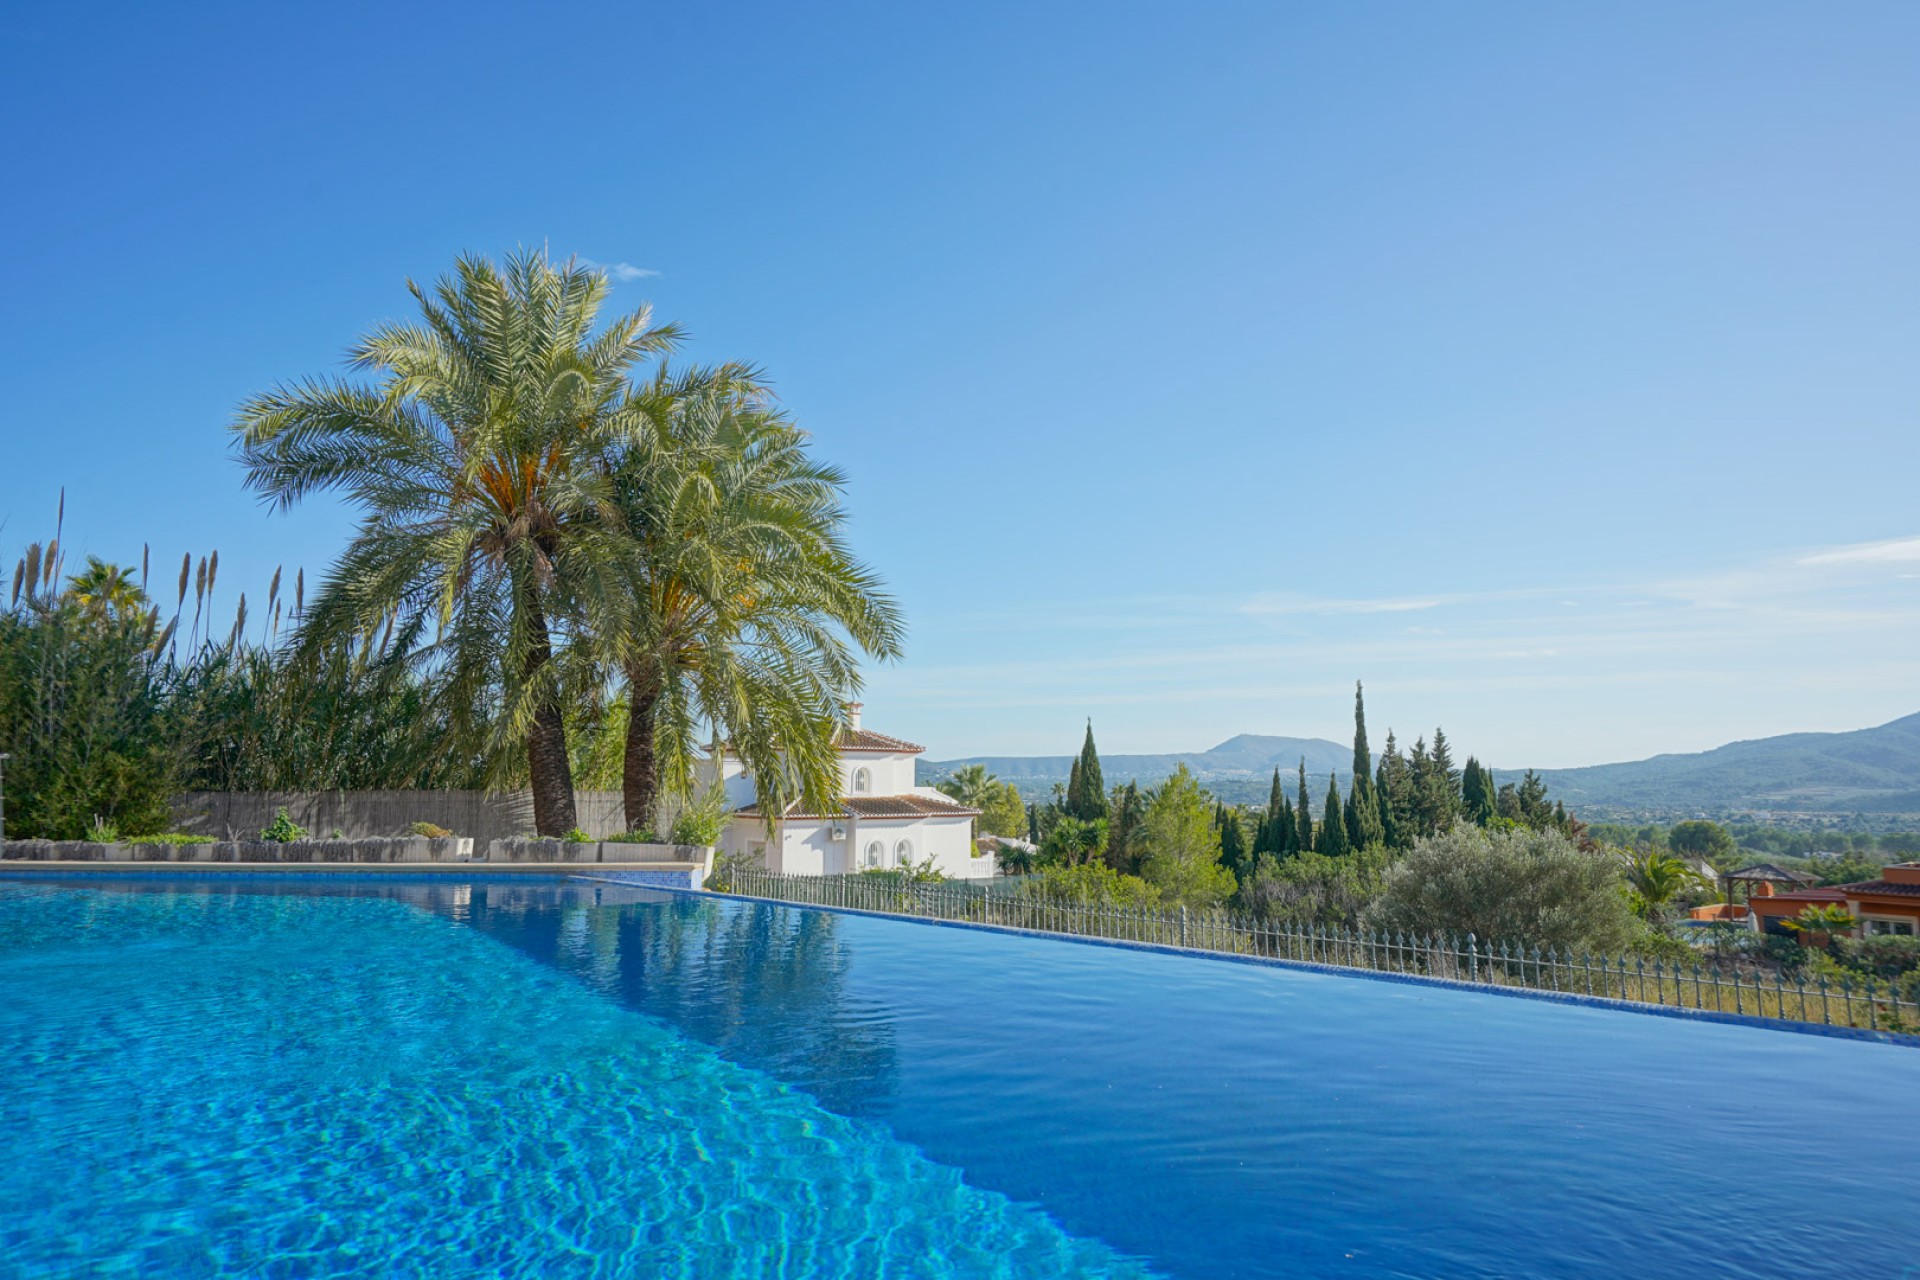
478,815
405,849
416,849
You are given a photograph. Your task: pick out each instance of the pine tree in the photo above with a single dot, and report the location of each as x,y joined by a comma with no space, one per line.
1088,800
1333,823
1399,817
1302,816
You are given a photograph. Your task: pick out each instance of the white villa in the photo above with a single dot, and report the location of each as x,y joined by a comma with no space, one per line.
883,819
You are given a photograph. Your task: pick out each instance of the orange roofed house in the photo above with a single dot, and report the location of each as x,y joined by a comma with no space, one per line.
1887,906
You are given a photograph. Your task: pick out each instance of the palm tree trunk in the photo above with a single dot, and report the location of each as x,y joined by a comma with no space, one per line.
548,770
639,774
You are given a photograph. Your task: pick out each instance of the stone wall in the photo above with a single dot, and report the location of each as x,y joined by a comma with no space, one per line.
358,815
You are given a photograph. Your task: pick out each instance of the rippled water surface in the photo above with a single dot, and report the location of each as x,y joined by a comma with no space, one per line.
343,1078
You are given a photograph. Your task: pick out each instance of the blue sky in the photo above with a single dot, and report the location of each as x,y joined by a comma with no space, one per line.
1551,368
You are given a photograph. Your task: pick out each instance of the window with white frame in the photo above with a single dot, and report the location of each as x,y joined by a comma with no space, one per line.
903,853
1887,927
862,781
876,850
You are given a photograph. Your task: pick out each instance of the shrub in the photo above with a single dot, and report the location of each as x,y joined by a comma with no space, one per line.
431,831
283,829
1533,888
1091,883
646,835
576,836
700,823
1313,889
172,837
102,831
1882,957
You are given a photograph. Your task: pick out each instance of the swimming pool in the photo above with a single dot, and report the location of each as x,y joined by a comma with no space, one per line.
329,1076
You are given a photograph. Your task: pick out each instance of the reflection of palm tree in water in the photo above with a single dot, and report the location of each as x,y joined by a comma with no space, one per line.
764,985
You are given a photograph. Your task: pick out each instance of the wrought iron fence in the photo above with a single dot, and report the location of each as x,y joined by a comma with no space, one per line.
1728,984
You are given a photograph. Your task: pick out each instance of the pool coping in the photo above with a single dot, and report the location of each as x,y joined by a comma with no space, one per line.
1895,1038
25,868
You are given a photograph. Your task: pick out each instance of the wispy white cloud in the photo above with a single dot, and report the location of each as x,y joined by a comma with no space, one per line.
1286,603
620,272
1677,659
1892,551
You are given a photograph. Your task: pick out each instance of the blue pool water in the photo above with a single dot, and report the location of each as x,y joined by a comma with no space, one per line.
335,1078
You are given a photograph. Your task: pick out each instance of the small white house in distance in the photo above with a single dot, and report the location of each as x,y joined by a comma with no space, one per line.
883,820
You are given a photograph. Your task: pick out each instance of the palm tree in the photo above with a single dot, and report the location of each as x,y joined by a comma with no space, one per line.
106,590
1656,879
1818,925
745,613
473,459
971,785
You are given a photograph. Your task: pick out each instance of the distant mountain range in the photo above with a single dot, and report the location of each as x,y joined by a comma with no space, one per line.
1864,771
1239,770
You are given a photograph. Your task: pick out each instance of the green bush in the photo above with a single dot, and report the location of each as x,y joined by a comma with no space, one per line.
1529,888
576,836
646,835
700,823
430,830
1090,883
283,829
81,694
171,837
1652,944
1312,889
102,831
1882,957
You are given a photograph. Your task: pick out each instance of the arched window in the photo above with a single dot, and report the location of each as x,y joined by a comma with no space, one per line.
875,851
862,782
903,853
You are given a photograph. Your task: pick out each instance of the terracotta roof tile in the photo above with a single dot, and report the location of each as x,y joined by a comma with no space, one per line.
1885,887
868,740
907,806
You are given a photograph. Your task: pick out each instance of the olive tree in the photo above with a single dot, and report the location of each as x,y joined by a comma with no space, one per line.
1525,887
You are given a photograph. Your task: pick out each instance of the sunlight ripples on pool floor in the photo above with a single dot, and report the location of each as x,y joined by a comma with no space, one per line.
333,1076
323,1086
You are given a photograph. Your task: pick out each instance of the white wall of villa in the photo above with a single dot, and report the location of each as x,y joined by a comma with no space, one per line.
883,819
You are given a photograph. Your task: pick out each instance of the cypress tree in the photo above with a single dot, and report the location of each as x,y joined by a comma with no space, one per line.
1333,824
1089,802
1364,828
1267,837
1123,828
1287,830
1071,805
1476,792
1234,855
1303,817
1445,781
